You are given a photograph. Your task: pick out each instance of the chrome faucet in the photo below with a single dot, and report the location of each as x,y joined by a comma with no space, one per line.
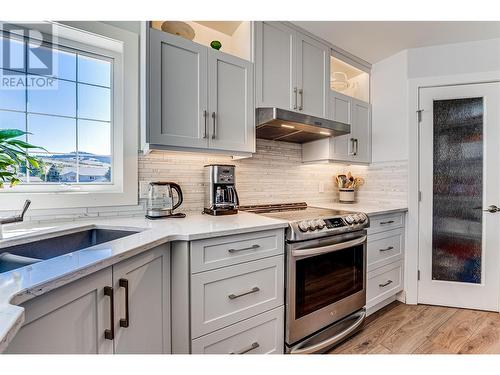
14,218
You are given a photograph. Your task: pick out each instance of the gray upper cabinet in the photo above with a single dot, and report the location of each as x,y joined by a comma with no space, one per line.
178,91
199,98
292,69
275,67
312,76
232,124
354,147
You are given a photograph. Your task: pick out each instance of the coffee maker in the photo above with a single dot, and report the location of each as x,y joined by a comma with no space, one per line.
221,197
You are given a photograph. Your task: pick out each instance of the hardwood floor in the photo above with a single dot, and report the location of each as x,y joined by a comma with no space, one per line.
422,329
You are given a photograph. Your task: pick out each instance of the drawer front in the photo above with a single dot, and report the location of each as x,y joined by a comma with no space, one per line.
225,251
225,296
262,334
381,223
383,283
384,248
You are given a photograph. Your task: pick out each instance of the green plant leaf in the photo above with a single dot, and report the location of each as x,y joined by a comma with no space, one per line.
23,144
11,133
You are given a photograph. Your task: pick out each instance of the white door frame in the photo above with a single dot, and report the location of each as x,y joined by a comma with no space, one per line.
412,229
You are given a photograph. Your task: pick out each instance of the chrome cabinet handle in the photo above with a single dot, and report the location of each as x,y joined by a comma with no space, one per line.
253,346
214,134
386,222
253,247
295,103
385,284
109,334
253,290
205,116
492,209
123,283
301,107
387,248
356,149
351,152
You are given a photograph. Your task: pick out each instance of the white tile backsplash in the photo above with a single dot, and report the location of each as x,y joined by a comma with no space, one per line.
274,174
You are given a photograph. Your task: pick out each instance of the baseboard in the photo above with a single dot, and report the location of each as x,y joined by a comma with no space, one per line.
378,306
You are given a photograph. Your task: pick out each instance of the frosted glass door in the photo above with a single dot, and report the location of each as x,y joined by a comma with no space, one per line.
459,178
458,190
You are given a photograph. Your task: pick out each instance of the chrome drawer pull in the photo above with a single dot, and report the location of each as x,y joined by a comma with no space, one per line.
387,248
255,289
386,222
253,247
385,284
254,345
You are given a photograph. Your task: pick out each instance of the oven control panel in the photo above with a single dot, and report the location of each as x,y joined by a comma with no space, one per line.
336,222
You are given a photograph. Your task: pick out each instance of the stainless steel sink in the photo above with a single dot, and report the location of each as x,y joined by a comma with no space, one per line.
17,256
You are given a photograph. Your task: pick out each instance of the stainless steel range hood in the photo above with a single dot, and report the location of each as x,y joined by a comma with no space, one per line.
284,125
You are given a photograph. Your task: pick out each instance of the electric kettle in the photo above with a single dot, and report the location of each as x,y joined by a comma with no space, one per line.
160,202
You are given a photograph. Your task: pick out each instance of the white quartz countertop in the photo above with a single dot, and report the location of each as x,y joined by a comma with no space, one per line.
369,208
22,284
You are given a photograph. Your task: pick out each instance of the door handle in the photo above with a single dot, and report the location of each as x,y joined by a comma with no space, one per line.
205,116
255,289
109,334
253,247
301,107
295,103
123,283
253,346
385,284
214,134
492,209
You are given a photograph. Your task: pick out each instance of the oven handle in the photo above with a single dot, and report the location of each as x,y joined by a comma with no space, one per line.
319,347
328,249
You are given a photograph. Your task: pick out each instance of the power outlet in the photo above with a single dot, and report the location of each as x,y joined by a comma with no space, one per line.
321,187
143,189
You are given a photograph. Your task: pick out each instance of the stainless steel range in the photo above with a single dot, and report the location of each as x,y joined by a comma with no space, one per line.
325,274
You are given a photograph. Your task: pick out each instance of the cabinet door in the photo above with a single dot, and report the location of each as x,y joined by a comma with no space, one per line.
178,92
68,320
232,125
146,278
275,65
361,131
313,72
340,110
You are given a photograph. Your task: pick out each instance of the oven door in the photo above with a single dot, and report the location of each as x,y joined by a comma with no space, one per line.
326,281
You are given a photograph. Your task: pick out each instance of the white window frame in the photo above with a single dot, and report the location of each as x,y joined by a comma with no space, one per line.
123,47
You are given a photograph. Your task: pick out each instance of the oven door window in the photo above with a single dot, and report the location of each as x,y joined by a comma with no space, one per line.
325,279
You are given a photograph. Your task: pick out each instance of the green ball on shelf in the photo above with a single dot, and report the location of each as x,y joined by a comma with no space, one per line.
215,44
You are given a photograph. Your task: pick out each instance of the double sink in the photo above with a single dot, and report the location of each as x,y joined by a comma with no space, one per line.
37,250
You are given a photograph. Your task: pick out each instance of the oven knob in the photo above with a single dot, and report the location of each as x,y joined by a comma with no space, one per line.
304,226
357,219
349,219
363,217
320,224
312,225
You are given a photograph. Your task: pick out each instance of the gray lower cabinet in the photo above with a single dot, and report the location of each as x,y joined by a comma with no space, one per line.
228,294
76,318
354,147
199,98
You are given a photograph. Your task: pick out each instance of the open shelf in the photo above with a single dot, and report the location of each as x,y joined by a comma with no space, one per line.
235,36
349,80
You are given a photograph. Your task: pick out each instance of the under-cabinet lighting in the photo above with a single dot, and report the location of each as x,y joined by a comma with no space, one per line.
325,133
287,126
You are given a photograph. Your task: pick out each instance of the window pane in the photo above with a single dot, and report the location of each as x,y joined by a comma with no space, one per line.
94,71
12,91
58,168
94,102
58,100
92,171
63,63
12,120
12,54
55,134
94,137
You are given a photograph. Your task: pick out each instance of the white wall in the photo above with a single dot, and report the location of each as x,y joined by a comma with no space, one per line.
389,96
452,59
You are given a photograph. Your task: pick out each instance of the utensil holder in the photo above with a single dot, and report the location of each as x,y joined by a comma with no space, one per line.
346,195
